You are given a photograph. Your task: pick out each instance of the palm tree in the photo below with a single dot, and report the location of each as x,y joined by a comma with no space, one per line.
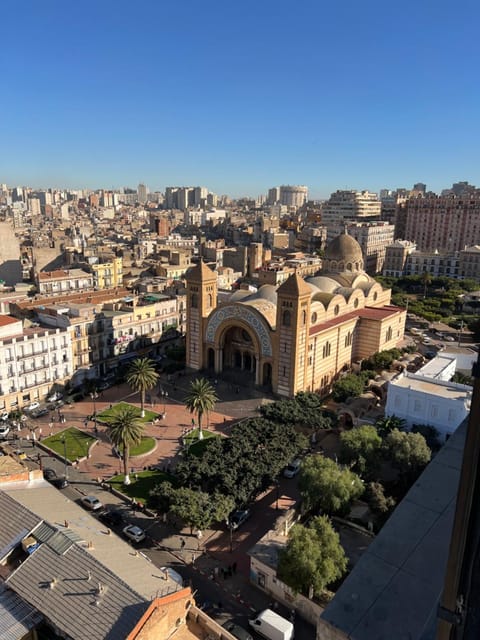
142,377
426,280
126,430
388,423
201,399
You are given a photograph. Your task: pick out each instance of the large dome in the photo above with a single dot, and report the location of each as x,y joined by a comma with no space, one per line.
344,249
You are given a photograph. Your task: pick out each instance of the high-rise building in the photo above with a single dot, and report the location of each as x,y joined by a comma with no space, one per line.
349,205
446,223
293,196
142,192
273,195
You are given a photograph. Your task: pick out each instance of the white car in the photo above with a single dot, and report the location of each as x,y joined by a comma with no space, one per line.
292,469
4,430
54,397
134,533
92,503
449,338
4,416
33,405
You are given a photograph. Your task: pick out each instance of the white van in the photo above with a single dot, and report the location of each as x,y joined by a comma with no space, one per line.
270,625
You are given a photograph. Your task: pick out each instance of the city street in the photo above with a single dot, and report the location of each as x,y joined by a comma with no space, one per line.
200,562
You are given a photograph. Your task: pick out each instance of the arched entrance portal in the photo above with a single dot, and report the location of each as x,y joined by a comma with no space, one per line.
240,357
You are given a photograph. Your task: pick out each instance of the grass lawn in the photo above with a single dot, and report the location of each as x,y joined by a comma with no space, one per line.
77,443
107,414
140,488
146,445
195,446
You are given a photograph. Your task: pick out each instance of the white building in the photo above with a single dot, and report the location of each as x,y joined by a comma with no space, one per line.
428,398
293,196
350,205
31,362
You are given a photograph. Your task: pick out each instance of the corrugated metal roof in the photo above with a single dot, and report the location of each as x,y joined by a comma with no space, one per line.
17,617
43,532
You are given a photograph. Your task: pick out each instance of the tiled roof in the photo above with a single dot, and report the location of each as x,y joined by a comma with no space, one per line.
17,522
368,313
77,594
6,320
294,286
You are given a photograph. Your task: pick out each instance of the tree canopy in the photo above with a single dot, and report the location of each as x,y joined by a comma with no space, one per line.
388,423
306,409
313,557
361,448
244,464
325,485
408,452
349,386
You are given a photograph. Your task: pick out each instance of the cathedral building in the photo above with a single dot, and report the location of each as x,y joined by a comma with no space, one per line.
297,336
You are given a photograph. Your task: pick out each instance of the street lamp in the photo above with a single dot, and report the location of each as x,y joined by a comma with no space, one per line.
64,442
164,395
94,396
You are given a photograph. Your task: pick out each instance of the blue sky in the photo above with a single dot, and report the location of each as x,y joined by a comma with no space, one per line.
239,96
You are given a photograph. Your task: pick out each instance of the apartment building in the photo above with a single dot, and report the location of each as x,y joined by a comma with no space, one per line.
396,255
32,360
373,238
63,281
445,223
108,274
349,205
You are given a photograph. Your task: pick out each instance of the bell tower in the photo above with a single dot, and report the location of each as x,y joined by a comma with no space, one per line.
293,324
201,301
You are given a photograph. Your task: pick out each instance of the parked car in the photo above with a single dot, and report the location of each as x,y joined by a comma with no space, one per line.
430,354
426,341
54,397
236,630
449,338
237,518
4,416
4,430
173,575
32,406
292,469
134,533
92,503
38,413
111,518
270,625
60,482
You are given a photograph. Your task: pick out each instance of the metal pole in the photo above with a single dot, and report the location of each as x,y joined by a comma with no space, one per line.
65,457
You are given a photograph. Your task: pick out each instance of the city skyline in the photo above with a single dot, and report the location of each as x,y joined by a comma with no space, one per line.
239,99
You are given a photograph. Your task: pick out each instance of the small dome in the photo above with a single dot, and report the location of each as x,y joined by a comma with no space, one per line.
344,249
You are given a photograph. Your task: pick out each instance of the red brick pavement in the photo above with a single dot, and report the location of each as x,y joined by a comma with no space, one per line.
102,462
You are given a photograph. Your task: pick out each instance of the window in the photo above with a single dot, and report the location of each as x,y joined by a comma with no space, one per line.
336,310
287,319
304,317
388,335
355,303
194,301
314,318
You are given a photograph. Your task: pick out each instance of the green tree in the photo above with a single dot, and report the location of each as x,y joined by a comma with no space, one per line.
379,503
326,486
360,448
141,376
200,400
199,509
160,497
408,452
426,281
125,430
312,558
387,424
347,387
